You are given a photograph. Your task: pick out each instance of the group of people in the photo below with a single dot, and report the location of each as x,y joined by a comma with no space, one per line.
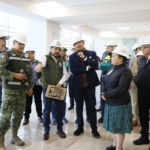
22,76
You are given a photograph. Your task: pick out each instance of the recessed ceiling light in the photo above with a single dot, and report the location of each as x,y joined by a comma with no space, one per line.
50,4
124,28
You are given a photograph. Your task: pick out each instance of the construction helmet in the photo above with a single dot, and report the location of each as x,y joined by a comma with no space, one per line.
105,43
122,50
56,43
112,43
77,39
3,35
64,48
20,37
135,46
146,41
30,49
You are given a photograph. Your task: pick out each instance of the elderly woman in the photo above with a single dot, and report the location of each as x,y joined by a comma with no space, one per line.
115,86
134,94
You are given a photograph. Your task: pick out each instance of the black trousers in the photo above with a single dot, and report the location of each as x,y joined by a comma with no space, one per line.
88,94
37,91
144,106
71,95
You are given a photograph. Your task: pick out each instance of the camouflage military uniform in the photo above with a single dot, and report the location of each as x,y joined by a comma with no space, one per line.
14,90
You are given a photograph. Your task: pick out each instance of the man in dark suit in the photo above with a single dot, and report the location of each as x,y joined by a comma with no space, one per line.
83,64
37,90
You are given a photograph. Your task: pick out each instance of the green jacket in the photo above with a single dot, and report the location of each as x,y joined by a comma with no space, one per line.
52,72
11,63
106,64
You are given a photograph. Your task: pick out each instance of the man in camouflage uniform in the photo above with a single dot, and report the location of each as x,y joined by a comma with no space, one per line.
3,48
16,70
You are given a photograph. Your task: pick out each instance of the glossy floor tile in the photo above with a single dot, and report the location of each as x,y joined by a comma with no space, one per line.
32,135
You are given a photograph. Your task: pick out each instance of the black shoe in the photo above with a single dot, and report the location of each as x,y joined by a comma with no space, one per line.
149,148
98,110
88,120
111,148
141,140
78,132
100,120
71,107
96,134
76,121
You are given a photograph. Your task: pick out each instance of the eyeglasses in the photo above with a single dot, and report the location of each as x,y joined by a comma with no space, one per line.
143,47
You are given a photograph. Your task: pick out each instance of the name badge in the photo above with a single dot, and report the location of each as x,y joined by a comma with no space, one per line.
110,72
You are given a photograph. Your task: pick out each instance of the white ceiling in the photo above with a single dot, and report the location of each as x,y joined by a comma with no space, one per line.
74,2
134,27
92,15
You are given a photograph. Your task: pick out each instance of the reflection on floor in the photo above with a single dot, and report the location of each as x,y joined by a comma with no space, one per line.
32,135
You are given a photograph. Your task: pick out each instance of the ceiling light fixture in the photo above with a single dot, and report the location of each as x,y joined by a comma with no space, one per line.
50,4
124,28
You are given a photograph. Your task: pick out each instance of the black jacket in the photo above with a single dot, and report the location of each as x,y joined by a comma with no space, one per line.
38,74
142,79
116,84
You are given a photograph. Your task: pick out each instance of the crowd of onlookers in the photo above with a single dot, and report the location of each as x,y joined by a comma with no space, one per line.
124,81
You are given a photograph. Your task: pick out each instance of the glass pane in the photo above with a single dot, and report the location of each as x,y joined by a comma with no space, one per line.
3,28
16,22
75,34
2,18
67,33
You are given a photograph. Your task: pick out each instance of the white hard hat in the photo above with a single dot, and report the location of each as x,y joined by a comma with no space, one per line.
30,49
56,43
77,39
146,41
140,54
122,50
20,37
105,43
3,35
112,43
135,46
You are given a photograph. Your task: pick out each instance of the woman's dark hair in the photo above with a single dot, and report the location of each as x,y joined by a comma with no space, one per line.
123,58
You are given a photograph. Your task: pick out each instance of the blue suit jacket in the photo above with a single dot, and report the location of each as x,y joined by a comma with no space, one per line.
77,70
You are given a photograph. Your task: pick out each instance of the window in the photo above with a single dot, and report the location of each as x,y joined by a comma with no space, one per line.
129,42
66,37
3,21
10,24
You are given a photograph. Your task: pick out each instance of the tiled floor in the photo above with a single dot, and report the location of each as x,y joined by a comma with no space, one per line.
32,135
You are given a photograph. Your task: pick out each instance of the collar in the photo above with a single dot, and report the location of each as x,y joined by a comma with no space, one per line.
54,57
148,58
119,66
34,61
14,52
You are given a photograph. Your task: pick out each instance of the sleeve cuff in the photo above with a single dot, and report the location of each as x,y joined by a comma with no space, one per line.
105,95
11,76
87,69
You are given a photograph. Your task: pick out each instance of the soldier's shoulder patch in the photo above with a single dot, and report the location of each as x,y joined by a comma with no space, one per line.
3,56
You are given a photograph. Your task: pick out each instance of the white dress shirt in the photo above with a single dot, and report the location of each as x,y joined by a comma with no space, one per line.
65,74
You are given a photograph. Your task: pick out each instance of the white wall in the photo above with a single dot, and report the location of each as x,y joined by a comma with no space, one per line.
36,36
53,33
99,45
40,34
